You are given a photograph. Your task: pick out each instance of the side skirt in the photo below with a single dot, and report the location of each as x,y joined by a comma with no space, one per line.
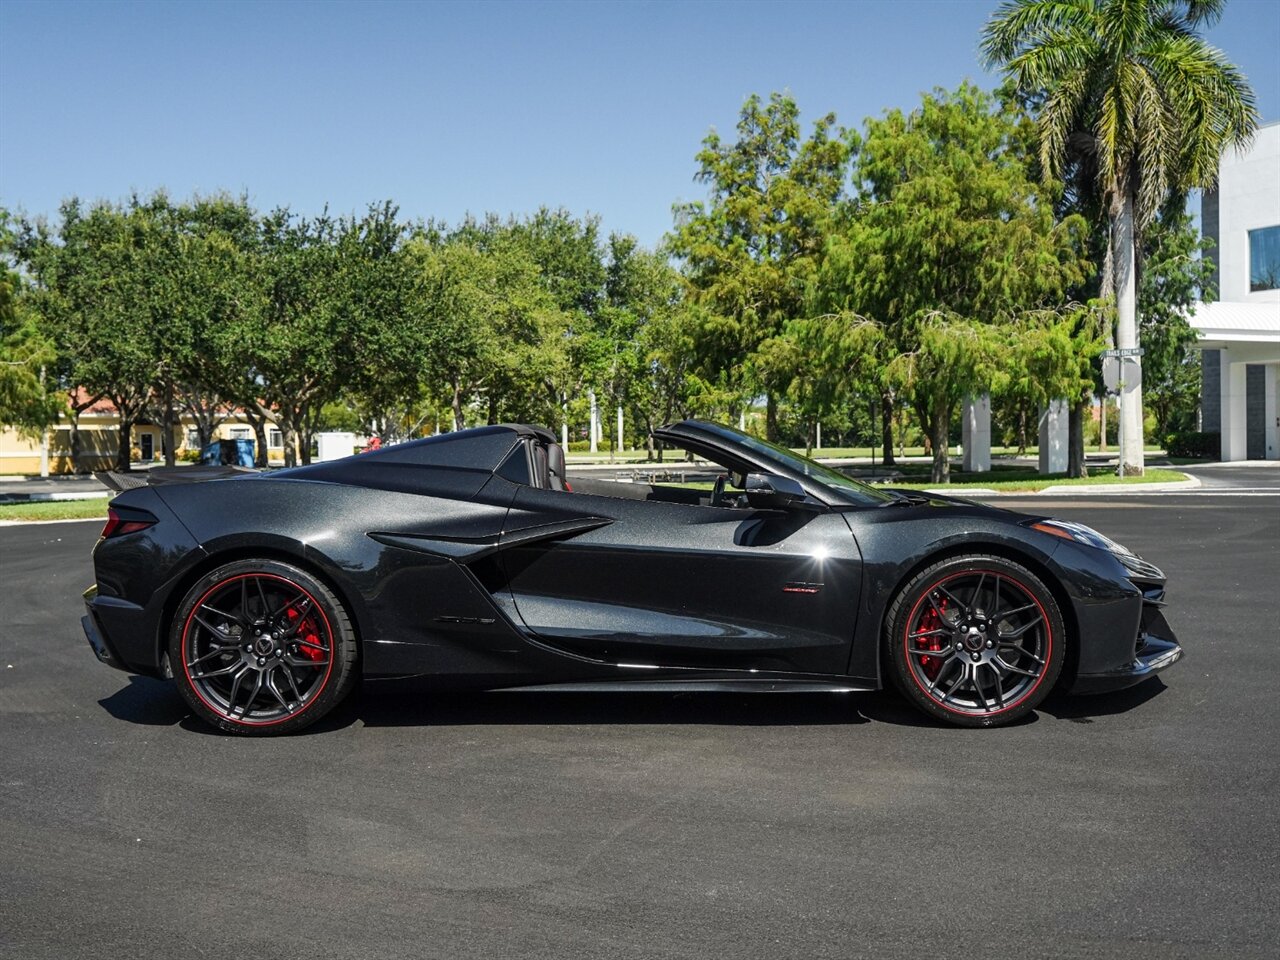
696,686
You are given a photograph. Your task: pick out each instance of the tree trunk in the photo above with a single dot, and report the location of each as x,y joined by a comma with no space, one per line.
308,418
77,443
925,415
166,425
124,453
939,429
258,420
204,432
886,427
205,409
1075,441
457,405
290,435
260,440
1131,461
771,418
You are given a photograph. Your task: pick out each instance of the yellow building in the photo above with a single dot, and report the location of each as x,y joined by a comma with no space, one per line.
100,439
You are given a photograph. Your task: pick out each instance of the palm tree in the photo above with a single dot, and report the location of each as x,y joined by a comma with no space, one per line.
1130,88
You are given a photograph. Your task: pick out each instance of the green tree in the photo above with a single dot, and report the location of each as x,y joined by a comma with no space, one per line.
1131,83
831,361
487,329
26,352
90,294
950,231
751,249
1175,273
1052,354
949,357
289,347
665,387
565,252
641,288
219,237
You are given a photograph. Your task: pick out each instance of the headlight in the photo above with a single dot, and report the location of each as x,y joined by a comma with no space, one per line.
1078,532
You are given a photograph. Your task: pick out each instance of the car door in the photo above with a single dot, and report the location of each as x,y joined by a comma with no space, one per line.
662,584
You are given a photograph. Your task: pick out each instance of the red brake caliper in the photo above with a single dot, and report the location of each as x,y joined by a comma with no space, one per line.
308,639
931,621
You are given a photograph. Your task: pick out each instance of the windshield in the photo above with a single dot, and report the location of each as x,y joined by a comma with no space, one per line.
844,488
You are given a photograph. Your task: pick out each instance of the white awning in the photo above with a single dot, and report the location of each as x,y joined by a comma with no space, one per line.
1238,322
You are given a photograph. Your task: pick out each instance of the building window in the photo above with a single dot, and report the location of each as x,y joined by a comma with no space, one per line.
275,439
1264,259
241,433
193,437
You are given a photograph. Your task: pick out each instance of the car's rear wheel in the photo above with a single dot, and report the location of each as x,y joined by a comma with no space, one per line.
262,647
976,641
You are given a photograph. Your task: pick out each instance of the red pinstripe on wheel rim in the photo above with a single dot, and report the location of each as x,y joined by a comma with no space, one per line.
964,642
275,647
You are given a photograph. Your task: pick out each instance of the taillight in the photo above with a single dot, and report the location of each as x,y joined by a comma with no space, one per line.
118,526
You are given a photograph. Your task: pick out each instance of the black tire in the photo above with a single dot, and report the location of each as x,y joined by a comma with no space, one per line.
261,648
975,641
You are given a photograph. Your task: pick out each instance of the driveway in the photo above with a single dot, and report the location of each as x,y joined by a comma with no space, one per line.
1139,825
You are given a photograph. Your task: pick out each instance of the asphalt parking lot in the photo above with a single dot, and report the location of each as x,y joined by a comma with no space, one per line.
1143,824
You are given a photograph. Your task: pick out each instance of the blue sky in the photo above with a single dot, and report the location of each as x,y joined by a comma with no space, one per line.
449,108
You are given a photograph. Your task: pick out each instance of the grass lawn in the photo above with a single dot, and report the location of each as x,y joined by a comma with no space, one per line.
849,453
1030,481
1005,478
55,510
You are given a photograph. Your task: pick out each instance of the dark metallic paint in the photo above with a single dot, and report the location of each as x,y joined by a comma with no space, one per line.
452,570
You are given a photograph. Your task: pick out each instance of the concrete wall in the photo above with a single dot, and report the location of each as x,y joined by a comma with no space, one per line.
1255,422
1210,391
1209,215
1248,197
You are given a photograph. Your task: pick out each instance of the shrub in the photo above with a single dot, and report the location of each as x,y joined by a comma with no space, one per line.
1194,443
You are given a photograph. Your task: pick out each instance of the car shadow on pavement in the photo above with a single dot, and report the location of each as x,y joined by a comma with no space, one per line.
148,702
1082,709
375,706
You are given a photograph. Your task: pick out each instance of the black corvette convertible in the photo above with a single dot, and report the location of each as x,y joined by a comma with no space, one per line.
469,560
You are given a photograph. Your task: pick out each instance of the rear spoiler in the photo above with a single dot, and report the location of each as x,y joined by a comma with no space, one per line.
120,482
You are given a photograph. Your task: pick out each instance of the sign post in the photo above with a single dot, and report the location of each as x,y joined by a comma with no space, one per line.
1113,379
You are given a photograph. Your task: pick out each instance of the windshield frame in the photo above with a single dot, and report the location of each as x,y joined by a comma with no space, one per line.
838,488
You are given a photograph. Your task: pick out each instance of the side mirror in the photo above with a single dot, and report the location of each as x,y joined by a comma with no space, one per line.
770,491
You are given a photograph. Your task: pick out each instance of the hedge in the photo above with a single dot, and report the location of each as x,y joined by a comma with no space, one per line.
1194,443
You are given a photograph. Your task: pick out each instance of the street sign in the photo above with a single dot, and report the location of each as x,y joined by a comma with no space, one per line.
1115,369
1124,352
1111,374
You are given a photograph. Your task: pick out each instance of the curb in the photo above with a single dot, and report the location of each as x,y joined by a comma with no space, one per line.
1067,489
33,523
8,498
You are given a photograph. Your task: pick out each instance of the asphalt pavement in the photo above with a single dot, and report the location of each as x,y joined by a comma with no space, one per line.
1137,825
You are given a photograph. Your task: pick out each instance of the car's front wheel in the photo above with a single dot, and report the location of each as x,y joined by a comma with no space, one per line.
976,641
262,647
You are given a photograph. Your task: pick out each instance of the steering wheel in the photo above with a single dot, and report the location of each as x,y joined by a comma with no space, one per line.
717,491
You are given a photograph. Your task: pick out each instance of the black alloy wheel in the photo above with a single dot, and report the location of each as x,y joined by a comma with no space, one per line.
976,641
262,647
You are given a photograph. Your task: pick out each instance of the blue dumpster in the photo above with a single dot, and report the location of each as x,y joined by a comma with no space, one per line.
229,453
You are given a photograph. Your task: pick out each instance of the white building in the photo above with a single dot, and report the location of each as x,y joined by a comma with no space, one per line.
1240,331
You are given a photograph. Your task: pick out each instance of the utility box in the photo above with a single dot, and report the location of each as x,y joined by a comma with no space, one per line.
334,445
